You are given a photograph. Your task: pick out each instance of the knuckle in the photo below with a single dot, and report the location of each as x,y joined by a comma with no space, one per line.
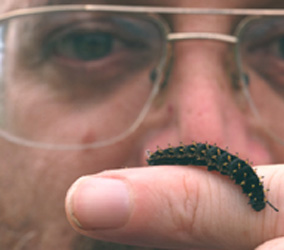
182,208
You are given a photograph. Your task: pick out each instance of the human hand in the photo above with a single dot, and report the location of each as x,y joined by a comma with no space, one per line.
183,207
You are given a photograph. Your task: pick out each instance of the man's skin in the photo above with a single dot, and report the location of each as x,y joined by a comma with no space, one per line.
148,207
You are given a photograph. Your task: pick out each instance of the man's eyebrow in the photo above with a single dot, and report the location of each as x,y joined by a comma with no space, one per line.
167,3
118,2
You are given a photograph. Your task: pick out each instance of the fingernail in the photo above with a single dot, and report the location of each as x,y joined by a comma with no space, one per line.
98,203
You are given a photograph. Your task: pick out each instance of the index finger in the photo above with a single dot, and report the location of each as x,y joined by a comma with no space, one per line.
173,206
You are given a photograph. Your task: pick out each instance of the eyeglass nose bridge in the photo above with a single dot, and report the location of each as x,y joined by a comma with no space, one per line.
174,37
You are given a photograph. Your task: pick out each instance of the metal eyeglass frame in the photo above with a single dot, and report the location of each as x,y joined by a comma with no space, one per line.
170,36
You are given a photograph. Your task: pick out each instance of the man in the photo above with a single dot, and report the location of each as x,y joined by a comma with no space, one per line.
91,88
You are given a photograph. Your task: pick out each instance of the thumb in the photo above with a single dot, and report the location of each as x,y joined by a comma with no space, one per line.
275,244
172,206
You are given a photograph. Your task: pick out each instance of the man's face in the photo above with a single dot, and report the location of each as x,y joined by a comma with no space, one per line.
198,103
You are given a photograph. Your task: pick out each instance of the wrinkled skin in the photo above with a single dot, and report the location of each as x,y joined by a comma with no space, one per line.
185,208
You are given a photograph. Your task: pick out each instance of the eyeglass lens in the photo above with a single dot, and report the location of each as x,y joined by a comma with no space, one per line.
261,50
65,72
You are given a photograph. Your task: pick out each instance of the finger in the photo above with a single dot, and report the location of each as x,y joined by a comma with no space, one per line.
172,206
275,244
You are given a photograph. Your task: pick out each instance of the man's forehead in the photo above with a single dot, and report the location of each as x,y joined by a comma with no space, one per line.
188,3
14,4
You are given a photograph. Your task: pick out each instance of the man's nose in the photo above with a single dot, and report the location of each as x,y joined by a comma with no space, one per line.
203,104
201,94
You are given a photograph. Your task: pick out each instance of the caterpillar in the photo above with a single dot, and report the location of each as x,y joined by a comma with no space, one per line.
215,158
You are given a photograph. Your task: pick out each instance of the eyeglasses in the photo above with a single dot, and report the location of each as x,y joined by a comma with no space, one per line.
85,76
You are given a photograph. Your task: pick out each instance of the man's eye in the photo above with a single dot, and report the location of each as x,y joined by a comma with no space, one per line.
266,58
276,47
89,49
269,51
83,46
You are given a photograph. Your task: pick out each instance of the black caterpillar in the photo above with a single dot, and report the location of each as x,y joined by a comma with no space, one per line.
216,159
